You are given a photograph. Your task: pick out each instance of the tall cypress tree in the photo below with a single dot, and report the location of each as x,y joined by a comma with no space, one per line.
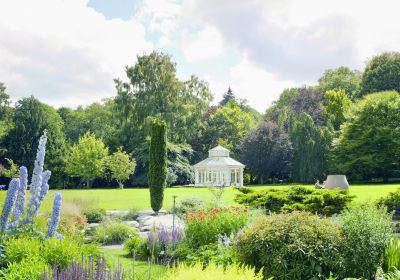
157,163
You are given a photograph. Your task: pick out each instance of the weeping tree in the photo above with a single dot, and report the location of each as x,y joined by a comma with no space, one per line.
157,175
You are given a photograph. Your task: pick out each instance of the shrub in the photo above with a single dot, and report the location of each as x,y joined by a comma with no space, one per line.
113,232
205,227
17,249
131,215
325,202
136,246
295,245
212,272
94,215
391,201
61,253
367,233
189,204
27,269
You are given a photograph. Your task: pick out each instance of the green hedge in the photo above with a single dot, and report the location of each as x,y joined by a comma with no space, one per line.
325,202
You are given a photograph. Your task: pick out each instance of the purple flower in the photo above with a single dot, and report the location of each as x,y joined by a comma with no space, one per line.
2,187
8,204
20,199
177,235
36,182
55,217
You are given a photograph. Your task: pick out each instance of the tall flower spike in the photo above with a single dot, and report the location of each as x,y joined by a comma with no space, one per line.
36,182
20,197
55,217
8,204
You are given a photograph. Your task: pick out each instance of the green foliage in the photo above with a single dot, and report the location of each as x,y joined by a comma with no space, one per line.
154,90
341,79
12,171
325,202
295,245
120,166
278,107
391,202
218,254
308,101
381,73
205,227
87,158
367,232
368,146
31,118
113,232
311,144
136,246
17,249
337,104
189,204
211,272
267,151
158,164
27,269
391,259
94,215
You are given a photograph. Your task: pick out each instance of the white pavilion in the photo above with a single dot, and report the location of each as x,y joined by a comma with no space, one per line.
218,169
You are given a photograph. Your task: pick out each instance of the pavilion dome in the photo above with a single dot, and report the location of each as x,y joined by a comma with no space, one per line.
218,151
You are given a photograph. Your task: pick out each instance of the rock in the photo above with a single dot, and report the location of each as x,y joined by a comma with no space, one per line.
143,234
147,224
133,224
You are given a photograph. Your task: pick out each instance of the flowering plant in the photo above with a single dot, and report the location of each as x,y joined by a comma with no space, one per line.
162,241
205,227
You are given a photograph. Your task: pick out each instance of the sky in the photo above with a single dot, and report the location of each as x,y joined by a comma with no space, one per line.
67,52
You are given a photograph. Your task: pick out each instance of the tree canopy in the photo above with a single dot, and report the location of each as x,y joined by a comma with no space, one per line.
368,145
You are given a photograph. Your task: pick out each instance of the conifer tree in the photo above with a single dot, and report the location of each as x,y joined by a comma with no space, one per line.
157,164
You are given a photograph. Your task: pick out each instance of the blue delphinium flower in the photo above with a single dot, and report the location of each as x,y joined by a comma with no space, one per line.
36,182
8,204
20,197
55,217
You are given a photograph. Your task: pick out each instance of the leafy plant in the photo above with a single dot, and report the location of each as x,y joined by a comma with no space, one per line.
205,227
189,204
212,272
17,249
297,198
28,268
120,166
297,245
113,232
391,201
367,233
136,246
94,215
391,259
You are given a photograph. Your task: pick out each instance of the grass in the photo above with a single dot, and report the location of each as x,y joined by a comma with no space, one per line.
142,270
138,199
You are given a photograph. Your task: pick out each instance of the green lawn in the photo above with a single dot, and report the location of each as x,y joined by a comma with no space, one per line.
139,198
142,270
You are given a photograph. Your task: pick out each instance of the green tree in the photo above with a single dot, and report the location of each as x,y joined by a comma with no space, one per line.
31,118
227,97
121,166
311,144
5,116
97,118
369,142
226,126
381,73
157,163
337,104
267,151
87,159
154,90
342,78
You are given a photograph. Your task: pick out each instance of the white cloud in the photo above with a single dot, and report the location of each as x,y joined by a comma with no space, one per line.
64,52
205,44
251,82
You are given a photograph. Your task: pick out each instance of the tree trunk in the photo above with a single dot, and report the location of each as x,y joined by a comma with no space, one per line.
120,185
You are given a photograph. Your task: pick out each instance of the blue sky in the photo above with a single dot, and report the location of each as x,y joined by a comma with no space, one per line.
67,53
